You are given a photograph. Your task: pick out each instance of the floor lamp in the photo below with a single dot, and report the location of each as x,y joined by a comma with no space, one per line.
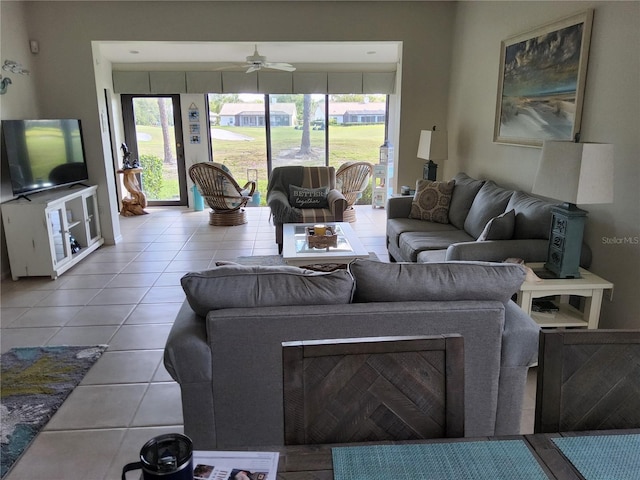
573,173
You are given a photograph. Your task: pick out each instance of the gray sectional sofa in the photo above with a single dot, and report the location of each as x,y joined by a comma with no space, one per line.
225,346
474,203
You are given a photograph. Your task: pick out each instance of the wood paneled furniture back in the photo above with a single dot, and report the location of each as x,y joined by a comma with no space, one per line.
373,389
588,380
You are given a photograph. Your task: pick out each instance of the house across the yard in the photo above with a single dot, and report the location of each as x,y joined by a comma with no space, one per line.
252,115
349,113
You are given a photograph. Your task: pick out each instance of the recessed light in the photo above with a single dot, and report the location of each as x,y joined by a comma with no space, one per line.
134,52
371,52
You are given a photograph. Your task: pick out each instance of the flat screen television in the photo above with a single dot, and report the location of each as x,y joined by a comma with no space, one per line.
43,154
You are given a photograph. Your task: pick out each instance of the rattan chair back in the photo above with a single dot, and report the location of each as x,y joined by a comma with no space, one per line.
222,193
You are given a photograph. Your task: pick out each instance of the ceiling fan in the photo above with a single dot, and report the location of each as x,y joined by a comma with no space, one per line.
257,62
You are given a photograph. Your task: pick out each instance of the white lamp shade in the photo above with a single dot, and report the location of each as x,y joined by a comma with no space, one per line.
579,173
433,145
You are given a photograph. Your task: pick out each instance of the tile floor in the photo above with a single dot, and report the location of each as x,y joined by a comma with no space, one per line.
126,296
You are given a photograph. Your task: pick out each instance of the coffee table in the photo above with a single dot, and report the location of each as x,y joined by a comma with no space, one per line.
296,250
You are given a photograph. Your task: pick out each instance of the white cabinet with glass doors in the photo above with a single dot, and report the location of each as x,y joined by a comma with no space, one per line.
50,232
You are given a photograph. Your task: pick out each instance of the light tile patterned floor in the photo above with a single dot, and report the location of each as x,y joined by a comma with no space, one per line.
127,296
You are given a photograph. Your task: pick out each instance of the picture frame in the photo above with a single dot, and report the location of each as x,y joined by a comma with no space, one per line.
541,82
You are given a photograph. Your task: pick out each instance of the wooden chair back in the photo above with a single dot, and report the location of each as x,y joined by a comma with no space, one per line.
373,389
588,380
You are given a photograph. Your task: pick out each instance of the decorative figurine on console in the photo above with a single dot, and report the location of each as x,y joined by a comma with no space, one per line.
126,158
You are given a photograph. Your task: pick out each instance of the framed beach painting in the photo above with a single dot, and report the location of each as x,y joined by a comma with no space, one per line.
541,82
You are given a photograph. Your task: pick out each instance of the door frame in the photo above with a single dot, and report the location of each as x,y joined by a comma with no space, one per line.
129,127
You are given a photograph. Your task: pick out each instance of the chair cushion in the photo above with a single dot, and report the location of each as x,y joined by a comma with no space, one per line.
300,197
450,281
464,191
499,228
243,286
490,202
533,216
412,243
431,201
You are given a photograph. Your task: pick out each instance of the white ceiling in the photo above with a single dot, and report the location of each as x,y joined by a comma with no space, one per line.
236,52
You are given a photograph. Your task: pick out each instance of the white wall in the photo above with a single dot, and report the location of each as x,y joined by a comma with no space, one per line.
611,115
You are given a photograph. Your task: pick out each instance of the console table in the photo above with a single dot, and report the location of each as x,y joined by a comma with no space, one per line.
136,202
589,286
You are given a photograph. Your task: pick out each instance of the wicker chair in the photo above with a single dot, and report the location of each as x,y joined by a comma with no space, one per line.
222,193
352,179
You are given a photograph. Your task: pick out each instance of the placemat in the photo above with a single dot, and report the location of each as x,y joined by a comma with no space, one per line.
485,460
603,457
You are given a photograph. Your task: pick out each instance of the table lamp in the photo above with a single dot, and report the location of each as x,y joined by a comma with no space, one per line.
574,173
432,146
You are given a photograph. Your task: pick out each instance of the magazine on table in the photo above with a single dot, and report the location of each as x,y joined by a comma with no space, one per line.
220,465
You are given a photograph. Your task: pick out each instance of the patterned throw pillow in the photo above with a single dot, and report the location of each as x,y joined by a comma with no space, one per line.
431,201
300,197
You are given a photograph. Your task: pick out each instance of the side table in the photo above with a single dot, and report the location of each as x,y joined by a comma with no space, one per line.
589,286
136,202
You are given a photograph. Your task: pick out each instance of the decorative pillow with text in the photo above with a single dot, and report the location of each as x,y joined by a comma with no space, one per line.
300,197
431,201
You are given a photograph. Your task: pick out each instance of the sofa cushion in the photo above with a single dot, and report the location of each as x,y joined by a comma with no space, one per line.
301,197
412,243
451,281
464,191
499,228
490,202
533,216
431,201
242,286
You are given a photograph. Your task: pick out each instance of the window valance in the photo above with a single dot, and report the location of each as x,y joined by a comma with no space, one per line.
158,82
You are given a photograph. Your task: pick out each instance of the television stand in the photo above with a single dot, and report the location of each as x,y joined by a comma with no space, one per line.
51,231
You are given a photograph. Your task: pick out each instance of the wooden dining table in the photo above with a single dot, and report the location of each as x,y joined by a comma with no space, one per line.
314,462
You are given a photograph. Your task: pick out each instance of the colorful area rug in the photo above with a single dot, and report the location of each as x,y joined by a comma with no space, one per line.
34,383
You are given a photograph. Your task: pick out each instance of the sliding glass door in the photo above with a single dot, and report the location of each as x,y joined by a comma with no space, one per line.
252,134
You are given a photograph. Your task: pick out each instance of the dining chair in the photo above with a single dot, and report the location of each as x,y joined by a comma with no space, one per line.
588,380
222,193
373,389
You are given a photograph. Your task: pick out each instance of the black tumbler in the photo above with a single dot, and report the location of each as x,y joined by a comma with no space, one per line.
165,457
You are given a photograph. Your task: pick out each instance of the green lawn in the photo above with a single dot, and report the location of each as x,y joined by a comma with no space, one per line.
346,143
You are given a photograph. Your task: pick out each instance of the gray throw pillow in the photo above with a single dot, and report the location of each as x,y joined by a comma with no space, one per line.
499,228
243,286
450,281
301,197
